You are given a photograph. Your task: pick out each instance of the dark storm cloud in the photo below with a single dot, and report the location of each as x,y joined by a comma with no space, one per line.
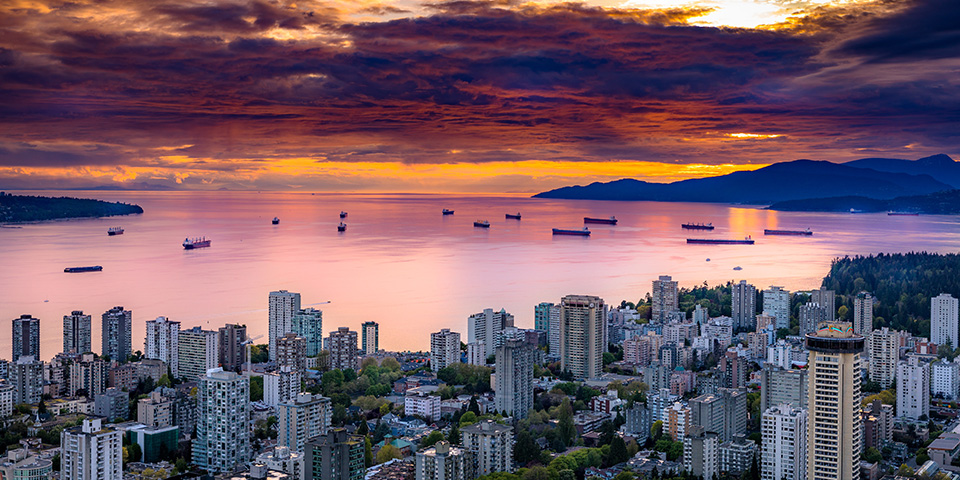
926,29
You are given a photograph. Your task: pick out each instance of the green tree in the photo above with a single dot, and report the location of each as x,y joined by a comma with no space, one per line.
872,455
468,418
256,388
536,473
181,465
382,430
618,452
388,452
367,452
526,449
567,431
431,439
656,430
135,452
454,436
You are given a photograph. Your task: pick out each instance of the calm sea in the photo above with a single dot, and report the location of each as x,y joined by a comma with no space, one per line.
403,264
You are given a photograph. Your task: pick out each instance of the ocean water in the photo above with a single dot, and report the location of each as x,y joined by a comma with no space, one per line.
403,264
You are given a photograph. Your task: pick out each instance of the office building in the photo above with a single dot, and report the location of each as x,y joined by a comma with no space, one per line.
163,343
302,418
282,307
308,323
115,334
281,386
292,352
22,464
199,351
232,352
88,376
335,455
945,379
581,336
863,313
91,451
784,443
514,378
943,319
811,316
76,332
476,353
701,453
913,388
776,303
26,377
485,325
444,349
113,404
883,346
371,338
664,297
343,349
223,413
834,423
157,410
493,445
445,462
744,306
155,443
826,299
26,337
782,386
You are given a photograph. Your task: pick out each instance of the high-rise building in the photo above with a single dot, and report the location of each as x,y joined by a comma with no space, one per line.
444,349
913,388
7,395
514,378
776,303
88,374
784,443
157,410
336,455
232,351
638,422
943,319
223,430
343,349
701,453
281,386
308,323
485,326
199,351
811,316
76,332
664,298
782,386
826,299
282,307
26,337
371,337
863,313
292,352
744,306
91,451
834,423
26,376
476,353
945,379
884,349
112,404
546,317
302,418
116,335
445,462
581,335
734,412
163,343
707,412
493,445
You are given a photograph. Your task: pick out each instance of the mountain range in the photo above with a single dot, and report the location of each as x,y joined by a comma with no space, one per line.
875,178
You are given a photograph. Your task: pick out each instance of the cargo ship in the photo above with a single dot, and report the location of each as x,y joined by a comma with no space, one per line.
276,220
199,242
903,214
767,231
697,226
580,233
512,216
95,268
708,241
481,224
602,221
447,212
342,227
343,214
115,231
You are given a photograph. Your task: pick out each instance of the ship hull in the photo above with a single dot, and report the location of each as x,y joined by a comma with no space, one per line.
600,221
96,268
481,225
688,226
115,233
513,217
194,246
576,233
704,241
787,232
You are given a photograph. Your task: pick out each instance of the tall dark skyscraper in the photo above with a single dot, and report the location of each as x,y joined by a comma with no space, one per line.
76,332
231,346
26,337
115,333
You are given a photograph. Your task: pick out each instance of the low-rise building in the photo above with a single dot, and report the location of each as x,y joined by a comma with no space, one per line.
421,403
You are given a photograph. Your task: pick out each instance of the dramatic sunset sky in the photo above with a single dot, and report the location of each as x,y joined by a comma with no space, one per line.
464,96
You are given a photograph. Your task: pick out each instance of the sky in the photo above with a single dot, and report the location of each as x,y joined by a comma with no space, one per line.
498,96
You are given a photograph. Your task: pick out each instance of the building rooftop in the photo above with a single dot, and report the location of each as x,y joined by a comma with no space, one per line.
947,441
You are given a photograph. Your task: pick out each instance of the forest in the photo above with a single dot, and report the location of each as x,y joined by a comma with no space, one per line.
27,208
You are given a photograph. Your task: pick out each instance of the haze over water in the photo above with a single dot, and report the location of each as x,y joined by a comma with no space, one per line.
401,263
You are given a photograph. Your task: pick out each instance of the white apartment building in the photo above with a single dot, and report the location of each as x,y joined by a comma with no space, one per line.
76,332
199,351
485,326
281,386
371,337
664,298
944,310
776,303
913,388
422,404
302,418
863,313
493,445
477,353
223,422
701,453
26,376
446,462
743,305
282,306
343,349
91,451
444,349
945,379
784,443
6,399
582,325
163,343
883,346
514,378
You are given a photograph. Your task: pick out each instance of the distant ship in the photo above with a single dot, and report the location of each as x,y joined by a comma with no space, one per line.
342,227
481,224
447,212
199,242
708,241
343,214
603,221
581,233
767,231
276,220
95,268
854,210
512,216
697,226
115,231
903,214
738,268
